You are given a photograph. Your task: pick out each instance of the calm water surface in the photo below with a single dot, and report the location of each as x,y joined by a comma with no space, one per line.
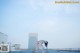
50,51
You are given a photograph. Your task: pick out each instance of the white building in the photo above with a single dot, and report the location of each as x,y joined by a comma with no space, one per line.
17,46
4,47
14,47
3,38
33,38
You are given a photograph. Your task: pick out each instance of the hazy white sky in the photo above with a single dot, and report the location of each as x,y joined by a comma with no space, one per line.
57,23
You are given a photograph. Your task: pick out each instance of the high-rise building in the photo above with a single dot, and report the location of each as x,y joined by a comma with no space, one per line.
33,38
4,47
3,38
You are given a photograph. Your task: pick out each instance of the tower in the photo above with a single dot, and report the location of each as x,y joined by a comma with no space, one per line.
33,38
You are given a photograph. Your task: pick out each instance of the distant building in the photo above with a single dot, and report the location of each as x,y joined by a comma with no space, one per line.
33,38
16,46
3,38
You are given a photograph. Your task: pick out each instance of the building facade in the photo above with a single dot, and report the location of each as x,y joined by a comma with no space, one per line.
3,38
17,46
33,38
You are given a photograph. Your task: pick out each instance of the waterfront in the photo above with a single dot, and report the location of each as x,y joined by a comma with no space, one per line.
45,51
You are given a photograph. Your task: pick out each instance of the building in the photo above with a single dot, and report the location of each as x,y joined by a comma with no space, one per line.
4,47
33,38
17,46
3,38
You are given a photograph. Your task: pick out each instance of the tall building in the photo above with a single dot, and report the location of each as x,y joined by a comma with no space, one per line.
3,38
33,38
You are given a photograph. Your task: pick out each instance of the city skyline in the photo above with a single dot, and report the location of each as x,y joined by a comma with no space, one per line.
59,24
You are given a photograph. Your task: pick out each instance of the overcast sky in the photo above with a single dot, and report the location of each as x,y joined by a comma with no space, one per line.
57,23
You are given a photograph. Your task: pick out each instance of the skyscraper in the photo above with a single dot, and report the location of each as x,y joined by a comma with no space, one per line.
3,38
33,38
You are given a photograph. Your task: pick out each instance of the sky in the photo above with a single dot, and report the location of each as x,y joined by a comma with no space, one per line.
59,24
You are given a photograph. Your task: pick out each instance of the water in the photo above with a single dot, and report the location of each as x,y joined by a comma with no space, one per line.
39,51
